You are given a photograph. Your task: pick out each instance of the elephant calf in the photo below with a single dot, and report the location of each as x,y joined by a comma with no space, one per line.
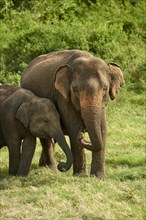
23,117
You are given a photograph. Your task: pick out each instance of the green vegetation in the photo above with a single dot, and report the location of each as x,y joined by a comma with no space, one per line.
114,30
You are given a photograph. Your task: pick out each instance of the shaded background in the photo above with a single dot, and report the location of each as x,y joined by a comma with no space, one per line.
114,30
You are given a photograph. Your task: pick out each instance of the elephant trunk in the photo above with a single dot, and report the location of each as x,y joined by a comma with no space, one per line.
91,110
62,166
83,143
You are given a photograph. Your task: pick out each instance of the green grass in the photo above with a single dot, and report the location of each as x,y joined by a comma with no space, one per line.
47,195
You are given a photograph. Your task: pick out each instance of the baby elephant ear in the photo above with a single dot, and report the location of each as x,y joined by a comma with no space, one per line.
23,114
62,82
117,79
114,64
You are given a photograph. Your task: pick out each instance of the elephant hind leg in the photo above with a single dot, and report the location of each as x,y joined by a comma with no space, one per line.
47,155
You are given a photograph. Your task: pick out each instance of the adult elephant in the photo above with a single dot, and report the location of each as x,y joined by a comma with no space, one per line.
79,85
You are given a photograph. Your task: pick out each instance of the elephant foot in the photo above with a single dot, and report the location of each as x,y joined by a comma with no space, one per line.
80,171
97,165
99,175
43,163
48,161
53,167
81,174
12,172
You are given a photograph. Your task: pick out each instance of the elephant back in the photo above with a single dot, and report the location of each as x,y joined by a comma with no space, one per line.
6,90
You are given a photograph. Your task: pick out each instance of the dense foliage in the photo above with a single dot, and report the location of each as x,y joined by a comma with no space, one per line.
114,30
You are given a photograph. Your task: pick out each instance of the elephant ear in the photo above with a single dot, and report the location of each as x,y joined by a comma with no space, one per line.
23,114
62,82
116,79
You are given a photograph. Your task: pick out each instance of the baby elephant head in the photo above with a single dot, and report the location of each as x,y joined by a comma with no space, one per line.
40,116
42,119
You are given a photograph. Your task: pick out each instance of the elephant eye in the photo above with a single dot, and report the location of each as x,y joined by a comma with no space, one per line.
75,89
45,120
104,88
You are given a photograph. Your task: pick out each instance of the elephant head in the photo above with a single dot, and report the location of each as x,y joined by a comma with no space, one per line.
43,121
87,84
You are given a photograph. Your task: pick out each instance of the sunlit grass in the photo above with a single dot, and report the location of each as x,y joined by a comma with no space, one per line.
47,195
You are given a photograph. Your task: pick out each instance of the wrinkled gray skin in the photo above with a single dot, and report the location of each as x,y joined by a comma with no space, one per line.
5,91
79,85
24,116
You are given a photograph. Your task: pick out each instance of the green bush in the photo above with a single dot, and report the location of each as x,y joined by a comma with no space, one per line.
114,31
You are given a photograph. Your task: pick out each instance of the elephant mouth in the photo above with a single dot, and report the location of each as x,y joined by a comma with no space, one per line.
41,134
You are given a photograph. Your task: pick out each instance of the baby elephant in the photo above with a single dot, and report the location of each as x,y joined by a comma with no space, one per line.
23,117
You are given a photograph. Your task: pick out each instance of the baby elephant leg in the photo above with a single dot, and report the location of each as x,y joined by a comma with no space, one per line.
14,156
47,155
28,149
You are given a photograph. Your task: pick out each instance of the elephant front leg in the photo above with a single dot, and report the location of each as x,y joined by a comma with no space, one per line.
77,147
47,155
72,122
28,149
14,156
97,165
98,158
79,159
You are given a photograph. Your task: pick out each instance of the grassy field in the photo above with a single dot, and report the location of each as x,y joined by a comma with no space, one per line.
47,195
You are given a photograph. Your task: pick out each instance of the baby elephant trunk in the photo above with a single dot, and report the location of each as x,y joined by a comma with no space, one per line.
64,166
